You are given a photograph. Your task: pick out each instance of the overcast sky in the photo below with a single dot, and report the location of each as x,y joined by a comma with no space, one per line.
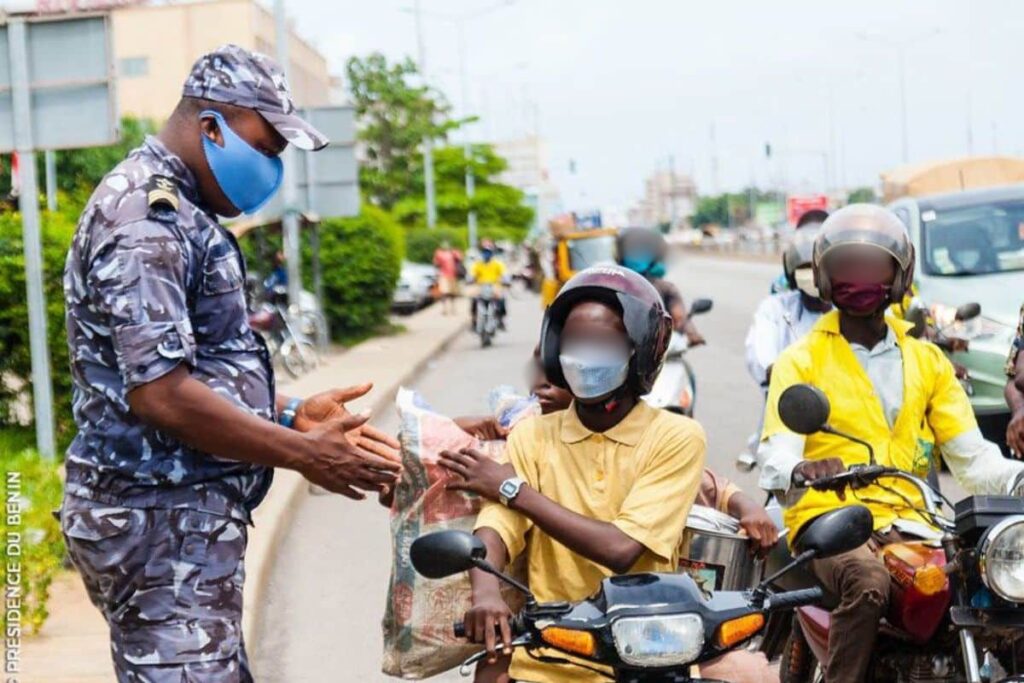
620,86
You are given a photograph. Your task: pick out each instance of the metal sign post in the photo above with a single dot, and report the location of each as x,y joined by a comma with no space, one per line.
28,203
56,92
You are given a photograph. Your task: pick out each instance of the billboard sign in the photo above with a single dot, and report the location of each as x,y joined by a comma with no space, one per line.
798,205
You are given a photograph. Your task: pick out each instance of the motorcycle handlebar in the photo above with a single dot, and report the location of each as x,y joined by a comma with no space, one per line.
856,477
798,598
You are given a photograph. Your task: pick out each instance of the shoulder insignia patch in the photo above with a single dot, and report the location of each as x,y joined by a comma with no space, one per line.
162,192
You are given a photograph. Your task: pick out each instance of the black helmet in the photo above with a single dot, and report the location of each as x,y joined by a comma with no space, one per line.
811,216
647,323
649,240
868,224
799,252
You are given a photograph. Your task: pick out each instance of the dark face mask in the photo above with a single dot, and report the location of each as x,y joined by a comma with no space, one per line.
859,298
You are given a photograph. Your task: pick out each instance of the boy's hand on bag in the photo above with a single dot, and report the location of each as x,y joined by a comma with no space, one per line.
489,616
476,472
485,428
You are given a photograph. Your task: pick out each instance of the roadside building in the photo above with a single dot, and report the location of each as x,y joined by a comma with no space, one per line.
528,171
669,199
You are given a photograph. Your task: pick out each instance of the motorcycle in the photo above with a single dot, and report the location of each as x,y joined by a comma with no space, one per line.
676,387
293,348
956,611
642,628
486,314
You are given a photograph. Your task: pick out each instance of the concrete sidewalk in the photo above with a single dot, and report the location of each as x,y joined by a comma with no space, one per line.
73,646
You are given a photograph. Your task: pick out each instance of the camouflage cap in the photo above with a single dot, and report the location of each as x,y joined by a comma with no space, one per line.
234,75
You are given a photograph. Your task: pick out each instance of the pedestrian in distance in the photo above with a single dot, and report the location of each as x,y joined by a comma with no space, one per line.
447,261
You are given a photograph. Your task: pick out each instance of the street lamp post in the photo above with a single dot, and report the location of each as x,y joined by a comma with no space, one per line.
467,147
428,140
901,60
289,190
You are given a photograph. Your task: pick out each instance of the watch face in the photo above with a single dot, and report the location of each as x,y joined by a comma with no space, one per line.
508,488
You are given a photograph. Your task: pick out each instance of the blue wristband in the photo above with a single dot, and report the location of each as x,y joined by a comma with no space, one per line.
287,416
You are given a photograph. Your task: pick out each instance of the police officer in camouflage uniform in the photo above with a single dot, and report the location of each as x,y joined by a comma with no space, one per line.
179,426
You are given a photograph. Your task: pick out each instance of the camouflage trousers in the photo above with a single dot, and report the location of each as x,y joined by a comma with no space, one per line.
169,583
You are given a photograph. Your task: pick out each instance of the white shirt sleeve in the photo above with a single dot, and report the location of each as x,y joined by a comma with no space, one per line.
777,456
979,466
762,340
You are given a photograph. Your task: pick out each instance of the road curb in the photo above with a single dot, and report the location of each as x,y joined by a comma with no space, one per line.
275,513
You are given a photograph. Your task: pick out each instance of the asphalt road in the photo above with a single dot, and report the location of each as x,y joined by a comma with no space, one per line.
322,617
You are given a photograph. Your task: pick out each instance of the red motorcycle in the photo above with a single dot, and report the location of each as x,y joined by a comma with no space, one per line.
956,613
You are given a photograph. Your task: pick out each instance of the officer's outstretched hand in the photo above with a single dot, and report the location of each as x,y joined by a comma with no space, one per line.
336,461
331,405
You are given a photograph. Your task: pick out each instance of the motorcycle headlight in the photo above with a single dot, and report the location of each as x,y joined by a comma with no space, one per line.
1001,558
654,642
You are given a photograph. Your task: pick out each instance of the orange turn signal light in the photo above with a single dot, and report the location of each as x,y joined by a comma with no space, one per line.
570,640
929,579
739,629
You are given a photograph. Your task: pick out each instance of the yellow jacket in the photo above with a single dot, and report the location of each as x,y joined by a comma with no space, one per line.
935,409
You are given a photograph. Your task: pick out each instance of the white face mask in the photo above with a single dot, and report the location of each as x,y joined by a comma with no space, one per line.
593,371
805,282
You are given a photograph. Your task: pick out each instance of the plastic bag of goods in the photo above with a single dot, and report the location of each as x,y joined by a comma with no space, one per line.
420,612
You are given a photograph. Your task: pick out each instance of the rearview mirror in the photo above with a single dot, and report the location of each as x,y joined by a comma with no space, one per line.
701,306
968,312
804,408
446,553
836,532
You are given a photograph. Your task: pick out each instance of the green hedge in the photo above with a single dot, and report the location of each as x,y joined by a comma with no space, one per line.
40,541
15,358
360,259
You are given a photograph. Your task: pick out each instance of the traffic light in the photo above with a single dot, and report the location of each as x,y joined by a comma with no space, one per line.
767,150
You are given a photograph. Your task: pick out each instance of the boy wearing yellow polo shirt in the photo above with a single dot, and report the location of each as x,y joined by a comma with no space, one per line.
599,489
898,393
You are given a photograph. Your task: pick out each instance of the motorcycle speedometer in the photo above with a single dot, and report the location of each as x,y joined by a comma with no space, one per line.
659,641
1001,558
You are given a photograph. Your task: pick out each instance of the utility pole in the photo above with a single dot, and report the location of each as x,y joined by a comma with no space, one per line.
714,161
901,54
50,161
672,192
428,141
28,204
467,145
289,210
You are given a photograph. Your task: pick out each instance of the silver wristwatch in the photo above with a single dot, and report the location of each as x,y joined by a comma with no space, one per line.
509,489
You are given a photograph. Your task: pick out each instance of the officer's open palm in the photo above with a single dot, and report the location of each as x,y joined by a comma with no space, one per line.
338,463
332,405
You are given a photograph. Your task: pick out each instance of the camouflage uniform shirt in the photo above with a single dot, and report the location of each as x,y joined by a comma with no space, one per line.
153,281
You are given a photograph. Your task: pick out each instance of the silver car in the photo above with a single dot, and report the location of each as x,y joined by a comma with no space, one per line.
970,248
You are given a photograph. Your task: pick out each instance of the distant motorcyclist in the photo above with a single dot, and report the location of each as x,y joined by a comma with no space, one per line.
490,270
783,318
644,250
808,219
896,392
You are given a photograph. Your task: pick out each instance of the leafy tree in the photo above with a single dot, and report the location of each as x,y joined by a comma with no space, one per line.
863,195
394,117
495,204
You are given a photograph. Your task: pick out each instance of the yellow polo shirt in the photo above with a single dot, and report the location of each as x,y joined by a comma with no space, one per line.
641,475
935,409
489,273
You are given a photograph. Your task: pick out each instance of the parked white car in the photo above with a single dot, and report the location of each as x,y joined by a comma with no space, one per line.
415,288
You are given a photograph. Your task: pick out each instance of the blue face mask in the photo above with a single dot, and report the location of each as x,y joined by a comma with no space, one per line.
247,177
486,255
